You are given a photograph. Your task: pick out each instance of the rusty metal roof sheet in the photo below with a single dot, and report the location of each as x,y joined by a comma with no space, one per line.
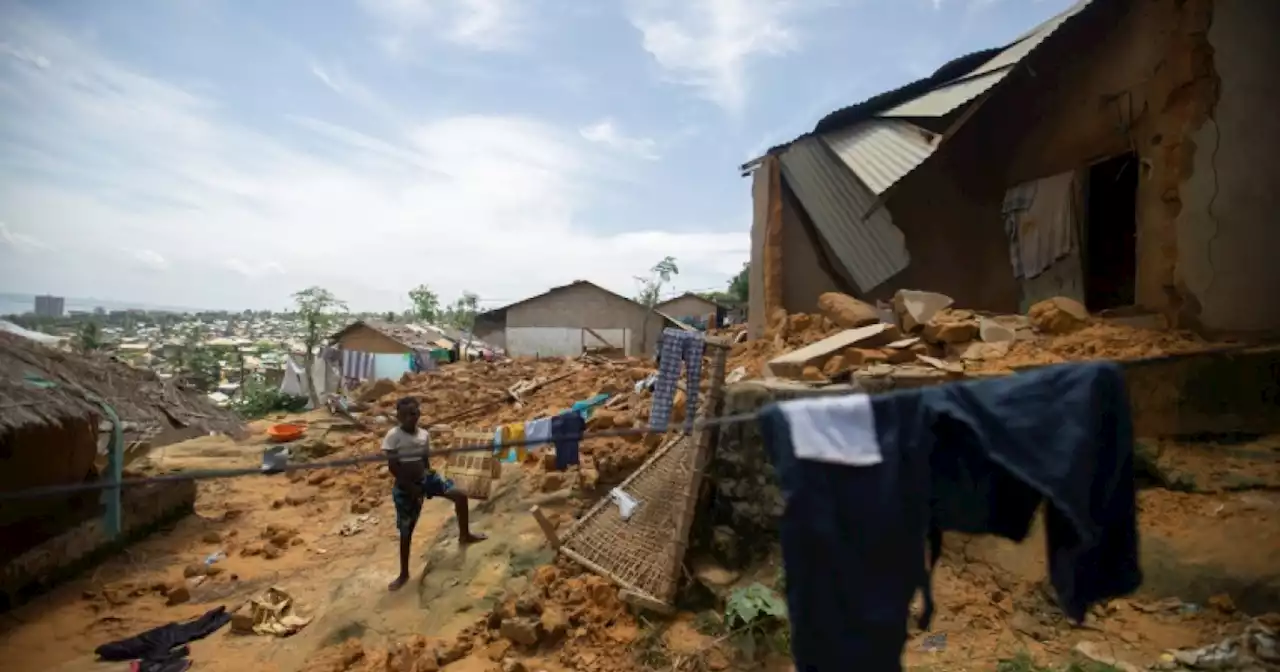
868,249
880,152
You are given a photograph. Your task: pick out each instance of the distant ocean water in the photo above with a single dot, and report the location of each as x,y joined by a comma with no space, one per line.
18,304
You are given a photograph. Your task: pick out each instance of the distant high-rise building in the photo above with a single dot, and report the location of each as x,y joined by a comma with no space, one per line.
50,306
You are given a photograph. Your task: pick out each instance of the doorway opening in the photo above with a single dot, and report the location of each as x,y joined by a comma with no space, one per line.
1111,233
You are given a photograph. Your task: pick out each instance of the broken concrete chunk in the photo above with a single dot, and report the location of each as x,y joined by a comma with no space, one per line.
941,365
903,343
847,311
915,308
950,332
792,364
1058,315
978,351
991,331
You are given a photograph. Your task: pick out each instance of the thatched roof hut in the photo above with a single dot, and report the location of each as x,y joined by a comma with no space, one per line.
42,386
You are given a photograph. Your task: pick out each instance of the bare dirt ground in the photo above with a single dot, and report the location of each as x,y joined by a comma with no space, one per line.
1211,557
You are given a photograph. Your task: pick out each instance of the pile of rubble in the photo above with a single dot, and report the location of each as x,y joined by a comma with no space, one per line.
922,334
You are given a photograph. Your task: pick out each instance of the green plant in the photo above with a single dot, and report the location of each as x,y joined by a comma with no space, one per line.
257,399
757,616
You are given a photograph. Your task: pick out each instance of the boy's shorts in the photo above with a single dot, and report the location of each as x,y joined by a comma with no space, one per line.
409,507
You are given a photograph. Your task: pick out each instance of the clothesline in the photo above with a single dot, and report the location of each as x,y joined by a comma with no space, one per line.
210,474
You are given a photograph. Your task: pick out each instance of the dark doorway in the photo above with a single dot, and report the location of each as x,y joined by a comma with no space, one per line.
1111,233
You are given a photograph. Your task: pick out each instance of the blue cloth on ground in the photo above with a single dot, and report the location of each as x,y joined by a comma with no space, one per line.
975,457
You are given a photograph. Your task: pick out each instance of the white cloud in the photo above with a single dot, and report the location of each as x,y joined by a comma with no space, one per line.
605,132
486,25
148,259
20,242
710,44
115,158
254,268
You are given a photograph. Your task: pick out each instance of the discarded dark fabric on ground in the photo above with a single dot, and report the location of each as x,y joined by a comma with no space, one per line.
158,643
974,457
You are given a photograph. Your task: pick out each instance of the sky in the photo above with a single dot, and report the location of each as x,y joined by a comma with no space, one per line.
227,153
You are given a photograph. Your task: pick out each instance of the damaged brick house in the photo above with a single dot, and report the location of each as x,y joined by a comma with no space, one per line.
1150,119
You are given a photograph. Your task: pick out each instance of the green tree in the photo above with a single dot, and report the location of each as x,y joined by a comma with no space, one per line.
462,312
426,304
318,309
650,290
89,337
739,287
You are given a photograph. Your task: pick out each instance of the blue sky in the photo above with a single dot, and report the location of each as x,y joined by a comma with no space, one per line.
225,153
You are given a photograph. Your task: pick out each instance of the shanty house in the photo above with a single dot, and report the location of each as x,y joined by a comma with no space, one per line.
690,307
1119,153
55,430
570,320
385,349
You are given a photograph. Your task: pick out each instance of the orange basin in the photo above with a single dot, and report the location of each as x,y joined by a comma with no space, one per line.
284,432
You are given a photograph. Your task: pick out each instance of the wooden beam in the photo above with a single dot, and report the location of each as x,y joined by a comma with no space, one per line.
548,528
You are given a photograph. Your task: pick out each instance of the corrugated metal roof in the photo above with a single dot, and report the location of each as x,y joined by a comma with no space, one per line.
870,251
948,97
880,152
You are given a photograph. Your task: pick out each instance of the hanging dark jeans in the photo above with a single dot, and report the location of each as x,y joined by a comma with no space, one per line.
972,457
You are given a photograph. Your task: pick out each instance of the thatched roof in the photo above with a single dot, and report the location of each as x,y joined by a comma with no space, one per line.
43,386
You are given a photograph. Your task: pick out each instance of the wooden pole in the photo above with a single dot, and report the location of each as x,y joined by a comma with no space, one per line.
548,528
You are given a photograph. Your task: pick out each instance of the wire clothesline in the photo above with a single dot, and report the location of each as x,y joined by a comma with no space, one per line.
210,474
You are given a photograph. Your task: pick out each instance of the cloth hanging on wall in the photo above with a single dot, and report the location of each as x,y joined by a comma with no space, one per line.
1040,223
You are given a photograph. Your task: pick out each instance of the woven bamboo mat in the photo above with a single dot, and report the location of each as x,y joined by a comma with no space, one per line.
640,554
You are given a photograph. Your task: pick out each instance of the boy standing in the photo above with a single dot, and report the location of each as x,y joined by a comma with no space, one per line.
415,481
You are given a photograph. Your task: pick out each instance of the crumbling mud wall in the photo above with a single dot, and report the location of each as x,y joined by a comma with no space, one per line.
1230,163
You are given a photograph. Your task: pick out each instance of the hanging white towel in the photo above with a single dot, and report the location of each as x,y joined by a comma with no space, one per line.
835,429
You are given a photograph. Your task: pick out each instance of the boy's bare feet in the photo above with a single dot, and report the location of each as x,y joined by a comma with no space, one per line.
472,538
398,583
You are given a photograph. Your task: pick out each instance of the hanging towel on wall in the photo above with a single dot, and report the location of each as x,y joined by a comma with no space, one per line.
1040,223
678,346
976,457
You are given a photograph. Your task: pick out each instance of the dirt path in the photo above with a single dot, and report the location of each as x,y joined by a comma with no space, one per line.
336,576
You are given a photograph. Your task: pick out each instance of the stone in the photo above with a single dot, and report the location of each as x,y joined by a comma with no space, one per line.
195,569
915,308
272,552
814,374
792,364
513,665
496,651
864,356
601,419
552,481
1223,603
990,331
318,477
1097,653
523,631
375,391
1058,315
834,365
212,537
846,311
554,622
950,332
177,594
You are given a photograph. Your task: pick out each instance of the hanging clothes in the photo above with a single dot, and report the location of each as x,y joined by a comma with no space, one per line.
537,432
678,346
977,458
586,406
566,431
1040,223
508,443
357,367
